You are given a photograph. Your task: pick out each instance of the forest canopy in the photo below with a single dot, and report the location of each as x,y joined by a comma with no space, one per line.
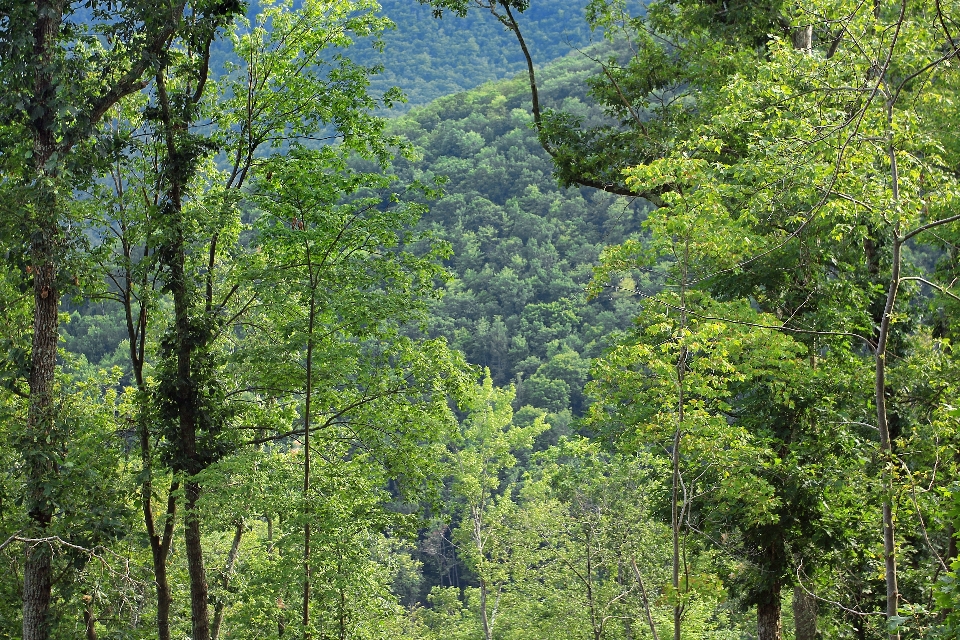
479,319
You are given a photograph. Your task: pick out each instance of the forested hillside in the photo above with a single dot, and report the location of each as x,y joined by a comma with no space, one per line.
523,249
430,58
634,322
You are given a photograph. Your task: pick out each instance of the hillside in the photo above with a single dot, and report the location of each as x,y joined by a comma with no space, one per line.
523,248
429,58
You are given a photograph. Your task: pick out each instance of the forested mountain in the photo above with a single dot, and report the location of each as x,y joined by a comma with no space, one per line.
523,249
653,339
428,58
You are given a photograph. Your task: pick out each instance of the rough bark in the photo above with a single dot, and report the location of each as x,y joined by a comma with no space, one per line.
803,38
199,596
804,614
41,446
768,619
53,141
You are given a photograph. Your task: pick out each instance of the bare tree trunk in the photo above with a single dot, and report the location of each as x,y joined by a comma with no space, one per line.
89,620
675,455
675,518
199,596
768,619
880,389
225,584
306,456
485,620
804,614
646,601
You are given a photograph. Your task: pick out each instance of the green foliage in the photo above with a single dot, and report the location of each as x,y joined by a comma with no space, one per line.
522,249
429,58
730,331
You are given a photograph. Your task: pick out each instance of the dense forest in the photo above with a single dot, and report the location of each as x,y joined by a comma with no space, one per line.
479,319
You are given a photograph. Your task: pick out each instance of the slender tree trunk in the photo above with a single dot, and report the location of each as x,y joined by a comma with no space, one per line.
675,455
484,619
220,607
186,392
341,605
199,593
951,544
675,522
199,596
159,542
281,605
646,600
886,445
306,462
187,445
588,574
804,614
159,548
89,619
41,446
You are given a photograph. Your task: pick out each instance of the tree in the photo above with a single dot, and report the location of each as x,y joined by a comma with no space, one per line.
480,457
181,212
348,283
852,201
680,108
60,78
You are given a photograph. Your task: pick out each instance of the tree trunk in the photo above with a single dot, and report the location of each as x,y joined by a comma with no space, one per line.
198,577
186,393
225,584
804,614
646,600
768,618
89,620
675,510
803,38
36,592
159,543
41,445
951,543
306,459
478,540
880,394
159,548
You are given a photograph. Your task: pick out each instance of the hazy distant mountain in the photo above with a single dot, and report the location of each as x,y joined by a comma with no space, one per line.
429,58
